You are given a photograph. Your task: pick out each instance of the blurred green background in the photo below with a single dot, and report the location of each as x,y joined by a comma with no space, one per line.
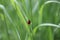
16,14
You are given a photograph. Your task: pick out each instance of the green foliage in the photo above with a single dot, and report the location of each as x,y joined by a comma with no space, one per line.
43,15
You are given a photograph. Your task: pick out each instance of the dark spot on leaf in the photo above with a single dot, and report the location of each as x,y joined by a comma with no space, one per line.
28,22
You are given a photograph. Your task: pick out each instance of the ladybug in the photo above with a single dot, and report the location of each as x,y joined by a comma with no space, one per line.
28,22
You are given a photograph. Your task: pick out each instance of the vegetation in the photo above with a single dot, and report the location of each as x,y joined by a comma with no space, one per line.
29,20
